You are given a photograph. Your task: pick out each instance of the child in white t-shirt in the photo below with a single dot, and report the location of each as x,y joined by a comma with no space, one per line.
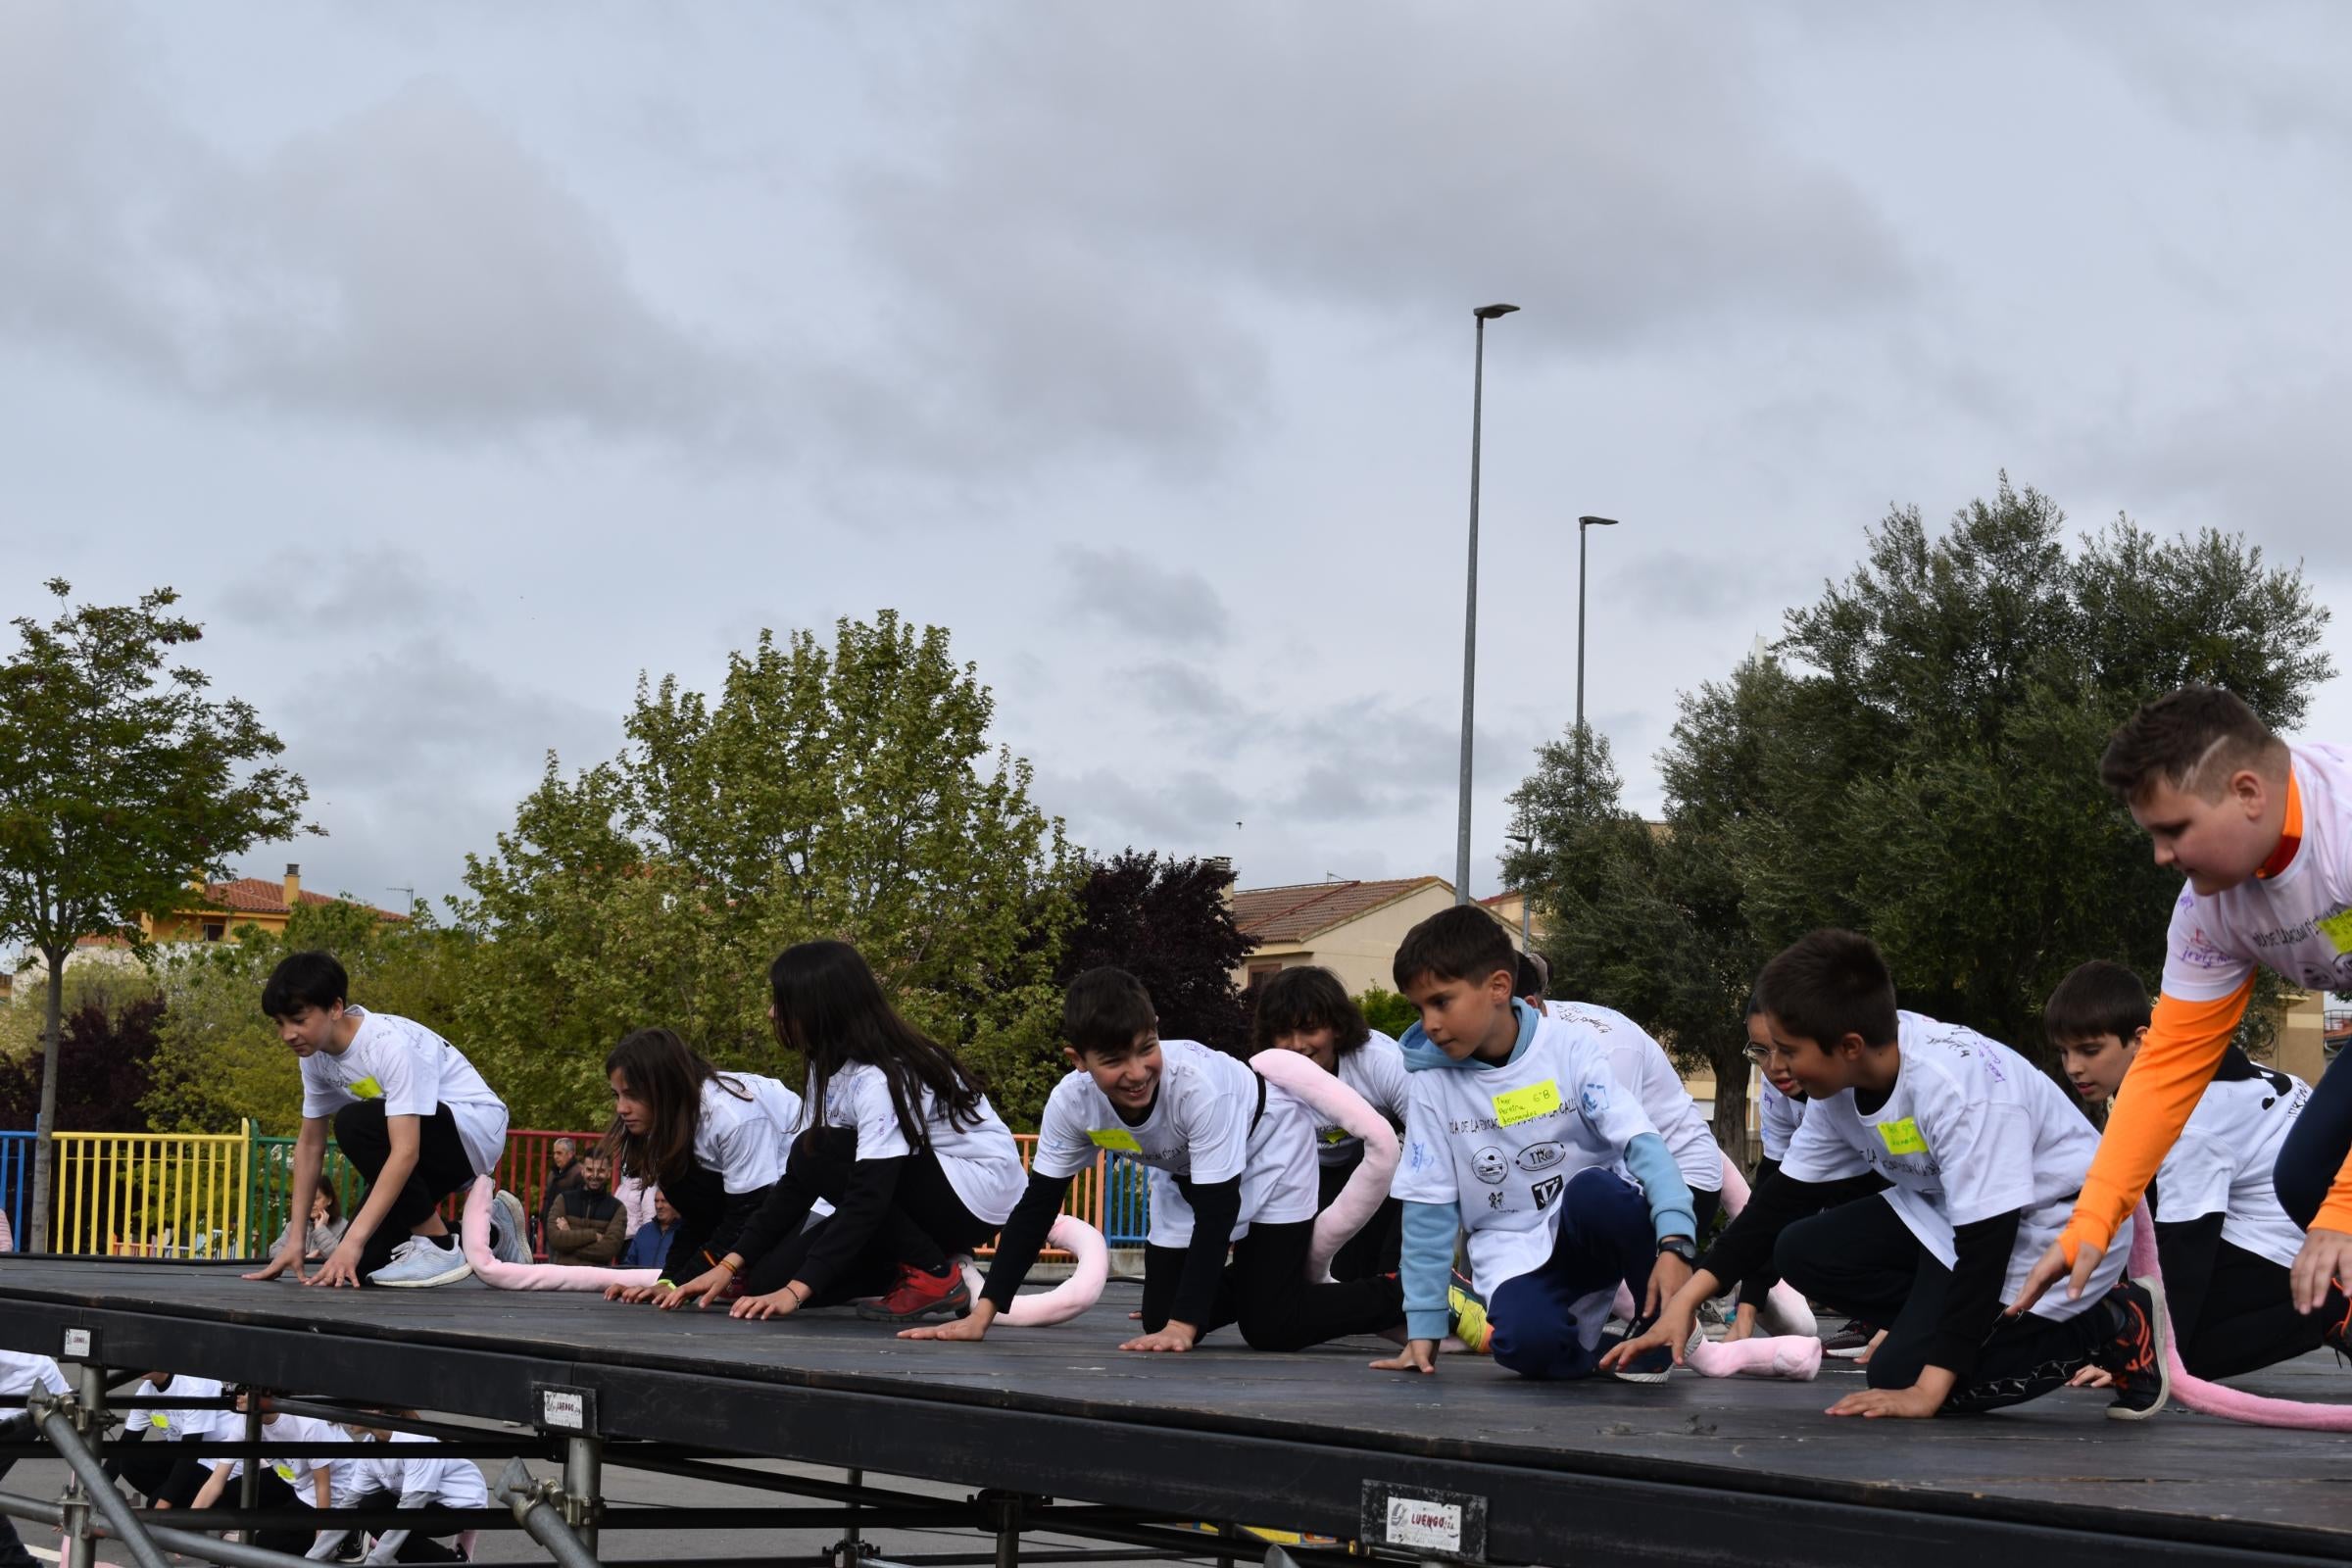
1932,1167
20,1374
2223,1239
902,1142
1305,1009
284,1485
1521,1139
165,1478
1241,1154
410,1475
410,1114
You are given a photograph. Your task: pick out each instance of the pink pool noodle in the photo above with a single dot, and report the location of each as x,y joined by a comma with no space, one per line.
1794,1356
474,1231
1073,1295
1367,1186
1787,1302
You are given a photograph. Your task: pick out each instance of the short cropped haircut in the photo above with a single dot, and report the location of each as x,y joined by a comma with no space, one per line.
2192,739
1830,984
1302,1000
1105,1011
1463,943
2098,998
305,980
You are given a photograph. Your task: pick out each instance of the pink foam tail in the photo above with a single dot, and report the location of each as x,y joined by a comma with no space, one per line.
2213,1398
1073,1295
1367,1186
1793,1357
1787,1306
474,1232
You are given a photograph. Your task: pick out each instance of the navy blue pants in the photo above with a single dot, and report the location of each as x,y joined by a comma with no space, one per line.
1606,1237
2317,1144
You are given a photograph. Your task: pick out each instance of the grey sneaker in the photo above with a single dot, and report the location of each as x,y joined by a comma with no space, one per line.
418,1261
509,1231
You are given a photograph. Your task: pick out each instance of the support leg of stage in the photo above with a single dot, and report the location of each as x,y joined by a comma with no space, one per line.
67,1426
1002,1510
539,1506
850,1550
583,1486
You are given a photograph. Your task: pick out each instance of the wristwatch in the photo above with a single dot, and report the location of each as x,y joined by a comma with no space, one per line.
1680,1247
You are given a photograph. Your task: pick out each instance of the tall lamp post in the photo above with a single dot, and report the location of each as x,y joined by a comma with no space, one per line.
1584,527
1478,388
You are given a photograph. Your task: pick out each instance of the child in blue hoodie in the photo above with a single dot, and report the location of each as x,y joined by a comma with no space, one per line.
1519,1136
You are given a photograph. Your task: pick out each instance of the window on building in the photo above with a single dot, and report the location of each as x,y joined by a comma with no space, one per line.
214,931
1258,974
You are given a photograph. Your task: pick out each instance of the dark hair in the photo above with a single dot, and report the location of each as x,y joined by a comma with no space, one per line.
334,1200
831,1010
2098,998
1755,1005
1302,999
301,980
2180,738
668,1075
1463,943
1830,984
1105,1011
1535,975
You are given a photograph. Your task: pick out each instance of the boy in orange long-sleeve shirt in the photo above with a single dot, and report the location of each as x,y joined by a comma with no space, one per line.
2263,831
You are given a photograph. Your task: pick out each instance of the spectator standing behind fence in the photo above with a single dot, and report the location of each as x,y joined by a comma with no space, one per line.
586,1225
563,1176
651,1245
325,1230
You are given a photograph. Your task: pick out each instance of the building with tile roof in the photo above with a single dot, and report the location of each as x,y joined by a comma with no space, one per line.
1351,928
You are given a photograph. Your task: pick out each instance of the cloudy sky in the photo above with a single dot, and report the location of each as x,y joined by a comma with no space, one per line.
457,364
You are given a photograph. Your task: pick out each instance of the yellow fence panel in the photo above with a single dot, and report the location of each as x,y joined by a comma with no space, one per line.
152,1194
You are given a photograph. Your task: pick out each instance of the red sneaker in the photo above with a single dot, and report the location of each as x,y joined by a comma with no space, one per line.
919,1295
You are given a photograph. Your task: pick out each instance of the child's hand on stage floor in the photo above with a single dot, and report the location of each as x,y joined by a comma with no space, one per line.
1173,1339
1418,1355
2325,1258
972,1326
342,1268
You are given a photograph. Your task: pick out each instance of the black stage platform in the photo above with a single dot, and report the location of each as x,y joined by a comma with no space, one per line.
1597,1472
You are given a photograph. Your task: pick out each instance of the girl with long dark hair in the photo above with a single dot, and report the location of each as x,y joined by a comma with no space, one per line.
903,1142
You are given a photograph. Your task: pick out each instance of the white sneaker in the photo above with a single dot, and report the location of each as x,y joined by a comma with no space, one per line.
509,1231
418,1261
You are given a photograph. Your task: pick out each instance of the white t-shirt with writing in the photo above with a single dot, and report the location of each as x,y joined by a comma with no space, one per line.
2222,1163
414,1072
1970,1130
1501,1143
291,1430
20,1372
1375,1070
1198,1128
2298,922
744,1128
1777,1117
409,1468
176,1424
981,1162
1643,1065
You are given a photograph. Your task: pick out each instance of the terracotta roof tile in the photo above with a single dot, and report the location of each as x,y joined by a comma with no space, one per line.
1306,909
251,895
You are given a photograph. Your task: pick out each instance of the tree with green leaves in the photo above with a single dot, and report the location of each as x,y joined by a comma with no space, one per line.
1918,762
121,781
1167,922
848,790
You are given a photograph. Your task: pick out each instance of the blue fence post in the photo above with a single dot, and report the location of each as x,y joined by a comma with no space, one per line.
16,1173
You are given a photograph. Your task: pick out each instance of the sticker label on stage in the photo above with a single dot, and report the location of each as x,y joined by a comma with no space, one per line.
1426,1525
1425,1520
1115,1137
1901,1137
1515,1106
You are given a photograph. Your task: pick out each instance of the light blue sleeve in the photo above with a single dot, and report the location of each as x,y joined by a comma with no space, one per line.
1652,1165
1427,1265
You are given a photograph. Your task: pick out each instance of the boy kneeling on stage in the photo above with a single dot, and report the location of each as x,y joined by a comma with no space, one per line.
1241,1154
1518,1134
1932,1168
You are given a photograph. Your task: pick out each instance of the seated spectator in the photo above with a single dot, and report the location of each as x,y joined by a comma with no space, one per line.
636,1197
326,1232
586,1225
651,1245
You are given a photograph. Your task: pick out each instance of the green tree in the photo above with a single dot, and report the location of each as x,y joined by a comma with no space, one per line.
1389,1011
121,780
845,792
1167,922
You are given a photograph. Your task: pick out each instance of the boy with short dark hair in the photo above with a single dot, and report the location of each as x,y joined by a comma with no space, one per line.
1242,1156
411,1115
1930,1168
1520,1137
2262,832
2223,1241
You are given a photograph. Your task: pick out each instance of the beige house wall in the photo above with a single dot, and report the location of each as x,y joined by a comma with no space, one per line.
2299,1049
1362,951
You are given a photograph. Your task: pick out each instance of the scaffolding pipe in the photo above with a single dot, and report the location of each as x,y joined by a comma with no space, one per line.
57,1425
539,1517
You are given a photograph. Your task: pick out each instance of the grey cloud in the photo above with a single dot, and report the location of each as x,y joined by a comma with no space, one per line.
1186,691
375,585
1146,806
1121,589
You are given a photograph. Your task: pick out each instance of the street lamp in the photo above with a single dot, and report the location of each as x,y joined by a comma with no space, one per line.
1478,387
1584,526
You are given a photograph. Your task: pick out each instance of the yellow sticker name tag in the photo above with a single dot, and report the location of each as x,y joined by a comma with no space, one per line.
1901,1137
159,1421
2337,928
368,1089
1515,1106
285,1473
1115,1137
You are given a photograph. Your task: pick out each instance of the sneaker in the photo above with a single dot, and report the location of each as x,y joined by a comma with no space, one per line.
1850,1340
1656,1366
420,1260
1466,1318
920,1294
2134,1353
509,1231
2337,1336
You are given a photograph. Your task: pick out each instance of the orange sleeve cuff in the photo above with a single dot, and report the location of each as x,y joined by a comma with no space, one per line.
2185,1044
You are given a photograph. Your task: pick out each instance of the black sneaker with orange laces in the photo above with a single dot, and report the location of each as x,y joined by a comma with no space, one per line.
2337,1335
918,1294
2133,1350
